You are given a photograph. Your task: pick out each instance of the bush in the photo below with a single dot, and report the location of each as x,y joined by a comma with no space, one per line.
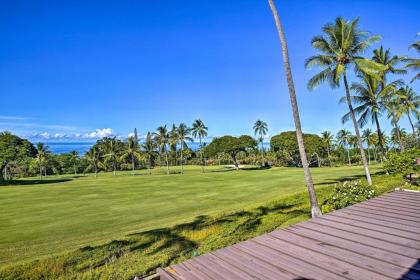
347,193
403,163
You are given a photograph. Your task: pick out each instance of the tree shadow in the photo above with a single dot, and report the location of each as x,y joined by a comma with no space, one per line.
22,182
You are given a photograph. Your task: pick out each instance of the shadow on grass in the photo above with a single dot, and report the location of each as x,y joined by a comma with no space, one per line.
35,182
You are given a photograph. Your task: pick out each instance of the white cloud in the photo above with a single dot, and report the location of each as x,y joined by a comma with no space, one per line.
130,135
100,133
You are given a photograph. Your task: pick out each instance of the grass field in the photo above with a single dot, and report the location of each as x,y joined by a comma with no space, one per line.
63,214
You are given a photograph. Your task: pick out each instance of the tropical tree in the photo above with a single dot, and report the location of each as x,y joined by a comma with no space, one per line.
183,133
149,150
131,153
327,140
111,153
344,138
340,49
414,63
42,158
396,110
162,139
315,211
173,142
261,129
410,102
398,134
93,157
199,130
74,158
367,138
370,96
389,63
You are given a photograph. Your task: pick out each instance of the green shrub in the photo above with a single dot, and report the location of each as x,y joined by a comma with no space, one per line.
347,193
403,163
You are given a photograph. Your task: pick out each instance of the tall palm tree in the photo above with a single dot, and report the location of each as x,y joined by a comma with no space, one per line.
261,129
397,136
389,63
340,49
344,137
367,138
410,102
370,96
132,153
414,63
396,110
93,157
199,130
327,138
183,133
74,158
315,211
42,158
149,150
111,151
162,138
173,142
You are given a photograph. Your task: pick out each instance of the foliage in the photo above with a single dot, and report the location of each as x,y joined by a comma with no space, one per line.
403,163
347,193
286,146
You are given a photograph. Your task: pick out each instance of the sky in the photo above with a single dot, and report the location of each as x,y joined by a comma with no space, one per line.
77,70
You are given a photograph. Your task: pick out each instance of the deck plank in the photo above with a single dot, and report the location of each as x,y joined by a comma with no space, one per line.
376,239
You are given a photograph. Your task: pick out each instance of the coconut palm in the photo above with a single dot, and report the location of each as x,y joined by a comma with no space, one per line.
111,153
261,129
396,110
414,63
397,136
327,139
149,150
131,153
173,142
183,133
74,158
162,138
367,138
340,50
370,97
42,158
315,211
389,62
410,102
199,130
343,138
93,157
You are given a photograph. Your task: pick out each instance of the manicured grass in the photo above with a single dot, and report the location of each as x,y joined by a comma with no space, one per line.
63,214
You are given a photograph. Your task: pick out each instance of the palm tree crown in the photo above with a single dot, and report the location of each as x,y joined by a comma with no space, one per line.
199,130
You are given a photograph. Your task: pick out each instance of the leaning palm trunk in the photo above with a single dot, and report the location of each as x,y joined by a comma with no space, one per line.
411,123
315,211
356,128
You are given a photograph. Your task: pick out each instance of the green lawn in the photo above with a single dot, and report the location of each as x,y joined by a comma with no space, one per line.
65,213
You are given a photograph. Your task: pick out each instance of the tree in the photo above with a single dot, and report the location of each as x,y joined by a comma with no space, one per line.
367,138
13,149
395,108
398,134
370,95
74,158
230,145
199,130
343,137
260,129
389,63
315,211
183,133
327,139
162,138
340,48
132,153
414,63
410,102
111,150
149,150
136,139
93,158
42,158
173,142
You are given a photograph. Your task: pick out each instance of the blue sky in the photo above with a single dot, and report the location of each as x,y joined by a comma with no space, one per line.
76,68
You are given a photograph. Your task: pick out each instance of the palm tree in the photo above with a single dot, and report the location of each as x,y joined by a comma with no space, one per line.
410,102
327,138
370,95
183,135
162,140
395,108
397,136
414,63
74,158
384,58
343,137
315,211
111,151
93,157
132,153
173,141
260,129
149,150
41,158
199,130
340,49
367,138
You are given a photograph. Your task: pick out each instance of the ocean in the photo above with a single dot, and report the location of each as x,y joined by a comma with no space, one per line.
83,147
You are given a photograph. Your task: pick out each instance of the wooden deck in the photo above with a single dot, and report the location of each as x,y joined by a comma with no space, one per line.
376,239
